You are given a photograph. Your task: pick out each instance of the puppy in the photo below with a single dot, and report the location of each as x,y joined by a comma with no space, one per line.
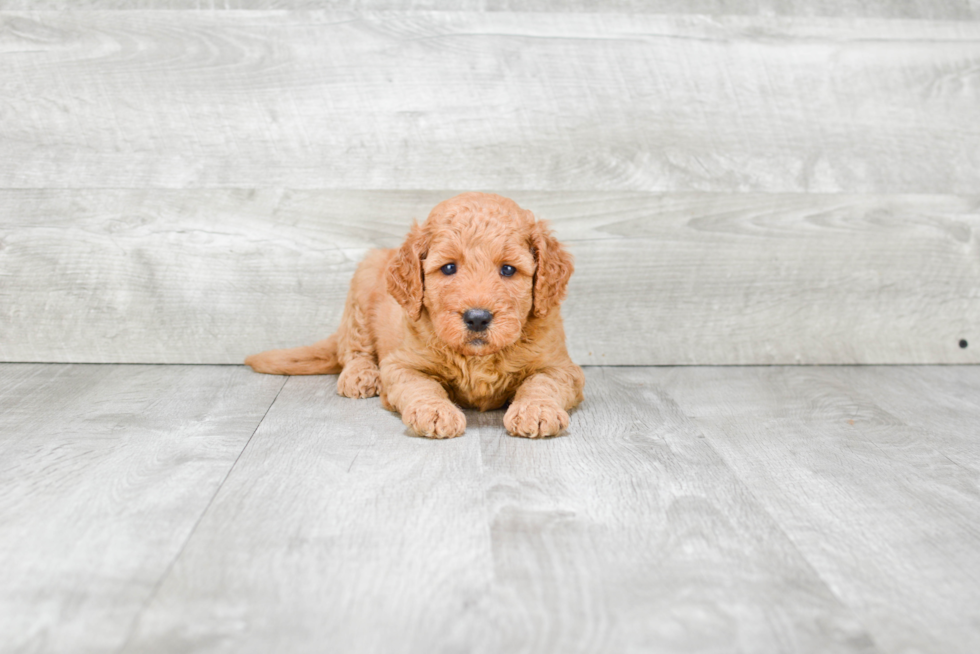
465,312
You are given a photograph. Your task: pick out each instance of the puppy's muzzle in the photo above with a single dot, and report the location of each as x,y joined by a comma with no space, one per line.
477,320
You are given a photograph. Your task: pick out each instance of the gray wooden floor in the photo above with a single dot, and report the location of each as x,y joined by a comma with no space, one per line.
754,509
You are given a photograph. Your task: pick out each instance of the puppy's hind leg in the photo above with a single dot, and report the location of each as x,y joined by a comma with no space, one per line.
321,358
360,377
350,351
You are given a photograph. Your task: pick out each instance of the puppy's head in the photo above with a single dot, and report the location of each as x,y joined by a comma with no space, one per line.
480,267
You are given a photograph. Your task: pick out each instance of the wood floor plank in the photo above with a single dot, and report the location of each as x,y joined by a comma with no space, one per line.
212,275
687,509
476,100
942,402
630,534
883,515
336,531
104,471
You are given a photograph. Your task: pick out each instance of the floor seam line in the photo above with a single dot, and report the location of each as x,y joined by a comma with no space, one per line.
751,493
180,551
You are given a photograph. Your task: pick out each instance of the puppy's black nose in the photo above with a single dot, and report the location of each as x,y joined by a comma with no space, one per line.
477,320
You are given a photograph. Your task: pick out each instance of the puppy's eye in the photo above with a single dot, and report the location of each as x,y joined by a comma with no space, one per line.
507,271
449,269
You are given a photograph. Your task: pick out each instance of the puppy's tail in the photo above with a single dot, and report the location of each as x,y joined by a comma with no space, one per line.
317,359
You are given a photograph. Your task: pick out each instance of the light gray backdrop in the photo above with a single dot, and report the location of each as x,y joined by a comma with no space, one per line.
779,182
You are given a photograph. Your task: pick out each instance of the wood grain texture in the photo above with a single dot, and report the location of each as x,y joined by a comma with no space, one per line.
630,534
336,530
914,9
687,509
537,101
943,402
104,471
885,516
209,276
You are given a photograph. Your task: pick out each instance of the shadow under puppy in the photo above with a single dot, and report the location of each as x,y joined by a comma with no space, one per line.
465,312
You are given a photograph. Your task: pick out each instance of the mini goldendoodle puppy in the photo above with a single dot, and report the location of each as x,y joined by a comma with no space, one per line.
465,312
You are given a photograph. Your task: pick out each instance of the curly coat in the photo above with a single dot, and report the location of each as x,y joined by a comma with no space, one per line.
403,336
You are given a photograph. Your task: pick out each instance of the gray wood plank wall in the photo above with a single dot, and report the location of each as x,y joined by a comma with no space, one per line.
436,100
763,182
932,9
207,276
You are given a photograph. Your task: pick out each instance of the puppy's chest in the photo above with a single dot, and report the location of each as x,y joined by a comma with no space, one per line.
482,383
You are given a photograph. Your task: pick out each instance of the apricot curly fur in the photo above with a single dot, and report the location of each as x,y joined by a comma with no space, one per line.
402,334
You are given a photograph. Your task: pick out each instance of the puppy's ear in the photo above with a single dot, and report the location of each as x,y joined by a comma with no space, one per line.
554,267
404,275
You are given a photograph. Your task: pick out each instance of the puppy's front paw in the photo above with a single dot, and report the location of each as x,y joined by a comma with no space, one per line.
534,420
435,419
359,379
